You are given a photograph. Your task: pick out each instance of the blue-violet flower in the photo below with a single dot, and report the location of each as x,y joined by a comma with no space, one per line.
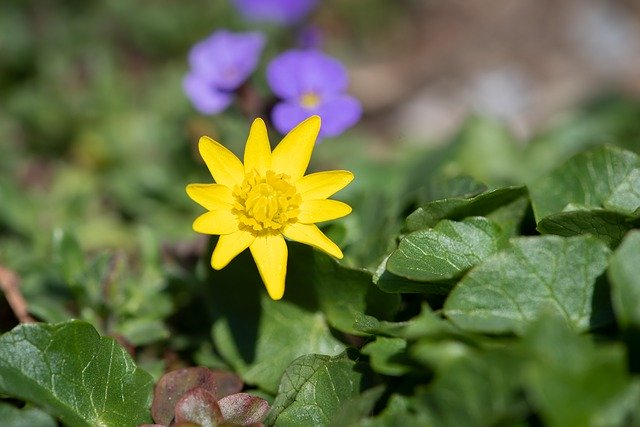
219,65
311,83
285,12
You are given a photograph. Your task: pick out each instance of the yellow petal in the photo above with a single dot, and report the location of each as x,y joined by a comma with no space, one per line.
229,246
220,221
321,185
257,153
270,254
225,167
322,210
211,196
311,235
292,155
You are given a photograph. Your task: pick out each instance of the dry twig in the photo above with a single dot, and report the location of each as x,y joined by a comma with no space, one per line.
10,285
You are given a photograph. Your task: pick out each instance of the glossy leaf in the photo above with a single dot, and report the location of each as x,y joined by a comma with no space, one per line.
510,289
313,389
587,179
80,377
608,226
446,251
457,208
626,196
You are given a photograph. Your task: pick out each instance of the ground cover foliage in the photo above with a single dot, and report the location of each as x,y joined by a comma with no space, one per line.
490,281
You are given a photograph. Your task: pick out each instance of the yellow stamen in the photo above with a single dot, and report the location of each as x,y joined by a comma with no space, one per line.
266,203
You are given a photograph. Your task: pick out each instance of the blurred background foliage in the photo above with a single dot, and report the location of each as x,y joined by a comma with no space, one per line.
98,139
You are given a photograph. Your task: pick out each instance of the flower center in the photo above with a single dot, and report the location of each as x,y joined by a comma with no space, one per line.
309,100
266,203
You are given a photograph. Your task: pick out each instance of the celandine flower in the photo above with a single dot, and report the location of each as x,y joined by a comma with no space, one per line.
258,204
286,12
311,83
219,65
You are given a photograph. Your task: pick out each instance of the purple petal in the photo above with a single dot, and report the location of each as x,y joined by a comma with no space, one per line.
338,114
296,72
287,115
227,58
277,11
204,96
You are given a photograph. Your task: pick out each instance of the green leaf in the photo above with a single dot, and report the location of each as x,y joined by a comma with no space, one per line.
571,381
457,208
260,337
477,389
68,256
142,331
341,291
626,197
610,227
391,283
484,149
509,290
80,377
446,251
400,411
625,280
443,186
25,417
587,179
356,408
387,356
285,332
313,389
426,323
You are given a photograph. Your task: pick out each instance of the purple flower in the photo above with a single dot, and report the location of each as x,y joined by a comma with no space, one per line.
285,12
310,82
219,65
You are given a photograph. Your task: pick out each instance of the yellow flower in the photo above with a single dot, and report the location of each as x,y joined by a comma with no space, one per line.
258,204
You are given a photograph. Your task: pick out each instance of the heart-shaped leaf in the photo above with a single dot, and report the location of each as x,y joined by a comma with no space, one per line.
446,251
510,289
587,179
313,388
80,377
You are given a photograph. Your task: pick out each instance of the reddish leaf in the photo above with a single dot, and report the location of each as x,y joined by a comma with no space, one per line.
243,409
173,385
200,407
